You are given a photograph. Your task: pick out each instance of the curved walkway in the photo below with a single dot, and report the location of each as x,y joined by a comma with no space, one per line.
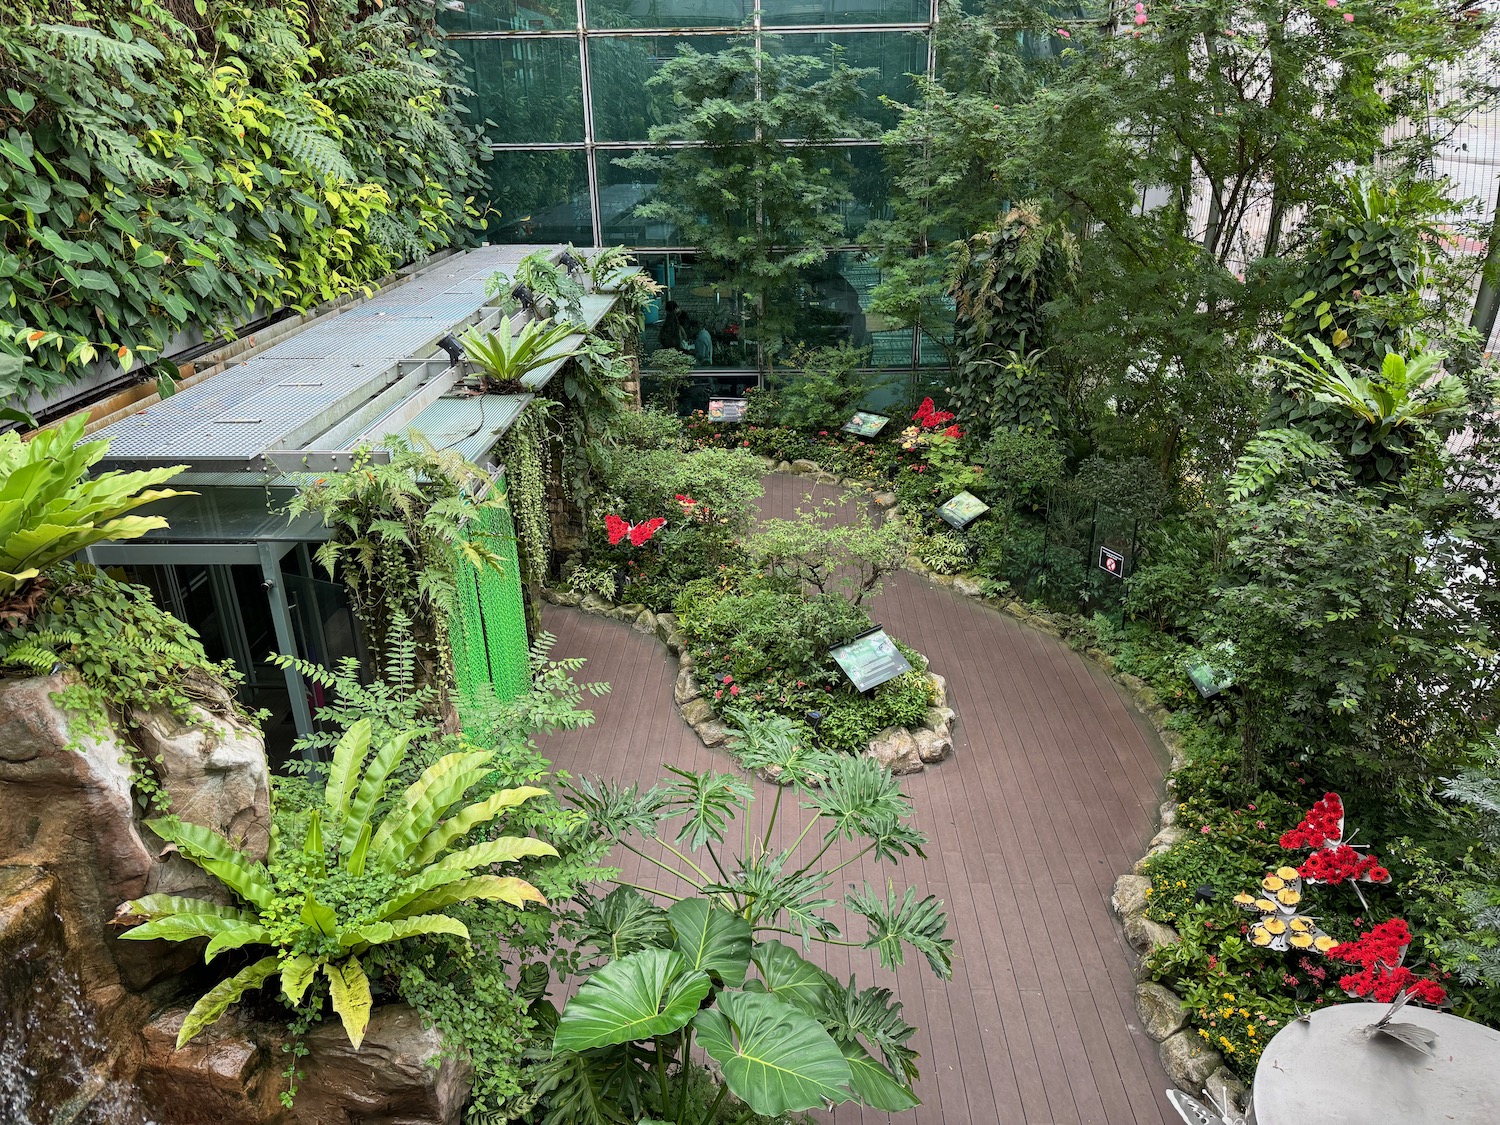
1051,792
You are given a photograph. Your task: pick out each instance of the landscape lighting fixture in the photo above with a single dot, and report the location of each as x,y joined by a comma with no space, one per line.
570,263
523,294
452,347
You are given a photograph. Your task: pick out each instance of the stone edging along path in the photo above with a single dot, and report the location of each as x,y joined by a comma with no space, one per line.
1188,1060
901,750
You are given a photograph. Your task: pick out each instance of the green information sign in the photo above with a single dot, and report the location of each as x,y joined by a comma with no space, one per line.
963,510
870,659
865,424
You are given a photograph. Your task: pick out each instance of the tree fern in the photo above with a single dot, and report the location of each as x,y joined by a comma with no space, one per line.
1270,456
93,48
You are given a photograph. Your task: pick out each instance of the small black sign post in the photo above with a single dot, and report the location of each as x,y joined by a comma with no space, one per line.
865,424
870,659
1111,562
726,409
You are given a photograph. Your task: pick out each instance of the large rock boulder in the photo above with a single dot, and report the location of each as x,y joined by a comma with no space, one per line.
231,1074
1160,1010
933,746
214,770
896,749
1131,895
1146,936
69,809
1188,1060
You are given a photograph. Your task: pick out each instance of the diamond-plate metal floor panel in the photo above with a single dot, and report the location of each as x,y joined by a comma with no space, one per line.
331,367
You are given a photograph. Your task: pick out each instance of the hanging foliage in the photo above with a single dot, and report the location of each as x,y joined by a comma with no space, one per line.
166,167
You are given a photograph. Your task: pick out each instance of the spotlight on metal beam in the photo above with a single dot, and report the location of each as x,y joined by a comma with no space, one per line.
452,347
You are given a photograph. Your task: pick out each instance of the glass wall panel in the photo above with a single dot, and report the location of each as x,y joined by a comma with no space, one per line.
620,190
695,301
531,89
669,13
817,13
625,108
507,15
539,197
863,168
893,55
830,306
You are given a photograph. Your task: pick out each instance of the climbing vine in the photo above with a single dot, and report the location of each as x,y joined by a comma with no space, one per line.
524,453
166,164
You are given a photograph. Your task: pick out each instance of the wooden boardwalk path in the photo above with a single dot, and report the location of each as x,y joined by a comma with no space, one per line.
1051,792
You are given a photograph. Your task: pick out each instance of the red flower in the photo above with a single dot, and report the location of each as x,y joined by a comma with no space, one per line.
616,528
953,432
734,689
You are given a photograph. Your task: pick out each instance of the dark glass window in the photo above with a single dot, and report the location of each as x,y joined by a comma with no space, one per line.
528,91
539,197
818,13
625,108
507,15
669,13
894,56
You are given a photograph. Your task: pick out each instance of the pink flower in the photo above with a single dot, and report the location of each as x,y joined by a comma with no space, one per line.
1140,8
734,689
1251,806
1140,19
1260,824
1064,32
1348,17
1332,3
1204,830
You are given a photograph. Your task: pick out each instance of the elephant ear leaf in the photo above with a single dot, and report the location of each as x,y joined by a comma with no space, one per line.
712,939
349,989
216,1001
775,1058
789,975
653,992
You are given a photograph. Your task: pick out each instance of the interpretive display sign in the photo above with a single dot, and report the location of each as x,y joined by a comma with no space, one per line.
865,424
870,659
726,409
963,510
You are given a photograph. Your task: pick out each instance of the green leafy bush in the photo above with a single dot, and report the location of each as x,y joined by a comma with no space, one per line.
169,168
51,508
650,429
946,552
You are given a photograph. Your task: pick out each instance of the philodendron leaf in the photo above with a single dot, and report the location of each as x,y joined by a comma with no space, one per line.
653,992
873,1084
349,989
215,1002
712,939
776,1059
787,974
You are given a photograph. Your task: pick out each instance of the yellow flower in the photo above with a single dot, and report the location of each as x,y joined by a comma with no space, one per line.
1148,892
1229,996
1245,1012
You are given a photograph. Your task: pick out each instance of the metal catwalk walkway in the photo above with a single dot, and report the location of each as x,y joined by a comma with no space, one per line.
1051,792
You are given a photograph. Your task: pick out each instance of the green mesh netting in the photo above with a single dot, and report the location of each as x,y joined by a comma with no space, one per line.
489,635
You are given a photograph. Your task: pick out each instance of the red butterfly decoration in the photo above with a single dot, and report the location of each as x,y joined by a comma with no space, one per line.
638,533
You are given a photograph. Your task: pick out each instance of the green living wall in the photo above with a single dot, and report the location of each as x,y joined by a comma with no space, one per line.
176,163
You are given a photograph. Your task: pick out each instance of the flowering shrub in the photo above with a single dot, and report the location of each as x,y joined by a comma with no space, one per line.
1332,860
